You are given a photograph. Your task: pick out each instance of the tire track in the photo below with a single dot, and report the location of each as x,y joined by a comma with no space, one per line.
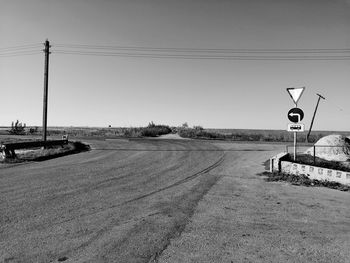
191,177
174,231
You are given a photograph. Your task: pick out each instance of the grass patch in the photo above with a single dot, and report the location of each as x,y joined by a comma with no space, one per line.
197,132
152,130
266,164
302,180
200,134
248,135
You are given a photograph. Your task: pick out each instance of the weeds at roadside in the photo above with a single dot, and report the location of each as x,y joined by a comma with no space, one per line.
49,153
302,180
266,164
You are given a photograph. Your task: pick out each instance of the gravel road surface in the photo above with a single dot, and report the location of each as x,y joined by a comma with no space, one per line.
167,201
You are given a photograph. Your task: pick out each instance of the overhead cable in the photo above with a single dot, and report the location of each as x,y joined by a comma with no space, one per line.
21,47
21,53
200,56
81,47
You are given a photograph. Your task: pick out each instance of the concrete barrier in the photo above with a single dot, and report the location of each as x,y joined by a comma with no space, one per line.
313,172
275,162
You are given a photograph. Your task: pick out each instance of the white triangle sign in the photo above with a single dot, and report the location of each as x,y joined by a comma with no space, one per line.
295,93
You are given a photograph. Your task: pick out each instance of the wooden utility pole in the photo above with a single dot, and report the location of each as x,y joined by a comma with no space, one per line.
313,117
46,86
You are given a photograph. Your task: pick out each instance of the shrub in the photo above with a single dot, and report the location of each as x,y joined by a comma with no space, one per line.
198,128
199,133
155,130
33,130
17,128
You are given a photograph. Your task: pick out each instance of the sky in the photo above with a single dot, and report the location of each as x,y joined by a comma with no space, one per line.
93,90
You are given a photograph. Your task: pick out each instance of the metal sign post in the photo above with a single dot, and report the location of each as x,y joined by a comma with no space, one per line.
295,94
295,141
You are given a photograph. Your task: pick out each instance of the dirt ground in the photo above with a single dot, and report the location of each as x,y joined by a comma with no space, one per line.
167,201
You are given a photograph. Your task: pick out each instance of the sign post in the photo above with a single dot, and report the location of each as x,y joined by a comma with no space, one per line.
295,94
295,141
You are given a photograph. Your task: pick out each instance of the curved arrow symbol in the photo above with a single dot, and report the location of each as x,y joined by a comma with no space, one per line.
292,114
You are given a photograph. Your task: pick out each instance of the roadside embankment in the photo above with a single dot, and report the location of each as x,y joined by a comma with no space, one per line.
41,154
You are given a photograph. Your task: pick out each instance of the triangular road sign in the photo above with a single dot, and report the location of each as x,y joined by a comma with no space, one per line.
295,93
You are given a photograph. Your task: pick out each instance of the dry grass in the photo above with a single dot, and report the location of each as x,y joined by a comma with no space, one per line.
302,180
40,154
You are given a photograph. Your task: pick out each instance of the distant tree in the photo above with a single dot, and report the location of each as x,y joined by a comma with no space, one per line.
151,125
198,128
17,128
185,125
33,130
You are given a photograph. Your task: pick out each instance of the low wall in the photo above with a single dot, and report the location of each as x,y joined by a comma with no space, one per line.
275,162
314,172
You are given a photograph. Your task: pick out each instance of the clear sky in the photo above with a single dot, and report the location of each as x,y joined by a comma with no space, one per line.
86,90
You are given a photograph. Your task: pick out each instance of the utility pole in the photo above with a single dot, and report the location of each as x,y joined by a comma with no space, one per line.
46,86
313,117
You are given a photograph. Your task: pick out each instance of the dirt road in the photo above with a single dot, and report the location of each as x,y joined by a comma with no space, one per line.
166,201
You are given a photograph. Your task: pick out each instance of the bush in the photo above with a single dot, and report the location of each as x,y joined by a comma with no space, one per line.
33,130
199,133
17,128
132,132
155,130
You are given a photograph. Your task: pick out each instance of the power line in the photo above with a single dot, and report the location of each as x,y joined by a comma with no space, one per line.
206,50
21,47
20,50
314,54
22,53
203,53
183,49
199,56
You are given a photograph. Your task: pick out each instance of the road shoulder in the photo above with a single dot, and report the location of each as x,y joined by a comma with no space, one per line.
245,219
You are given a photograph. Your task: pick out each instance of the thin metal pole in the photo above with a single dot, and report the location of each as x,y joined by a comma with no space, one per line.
46,86
295,146
295,141
313,117
314,154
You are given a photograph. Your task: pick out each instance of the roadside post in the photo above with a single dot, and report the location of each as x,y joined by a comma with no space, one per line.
313,117
295,115
46,84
